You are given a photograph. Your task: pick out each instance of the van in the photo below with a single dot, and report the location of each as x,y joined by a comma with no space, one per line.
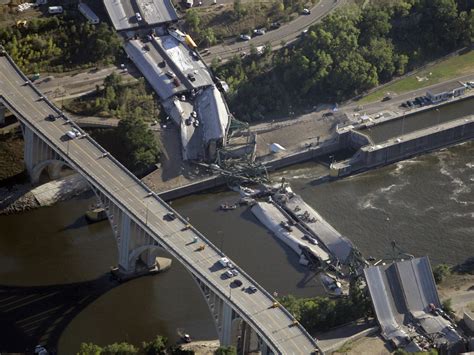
224,261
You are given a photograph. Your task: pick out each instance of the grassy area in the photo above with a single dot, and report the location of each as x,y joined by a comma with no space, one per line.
445,70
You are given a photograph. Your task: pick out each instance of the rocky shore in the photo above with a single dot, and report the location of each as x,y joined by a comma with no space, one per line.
16,199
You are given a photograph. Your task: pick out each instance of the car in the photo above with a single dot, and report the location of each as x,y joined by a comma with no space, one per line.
404,104
51,117
386,98
251,289
410,103
244,37
470,84
77,132
182,98
228,274
275,25
71,134
304,32
234,272
170,216
236,283
286,226
138,16
259,31
146,47
306,11
188,121
194,114
196,123
328,114
170,74
191,77
194,55
230,265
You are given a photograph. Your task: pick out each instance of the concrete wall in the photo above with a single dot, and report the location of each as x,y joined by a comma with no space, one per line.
469,320
407,148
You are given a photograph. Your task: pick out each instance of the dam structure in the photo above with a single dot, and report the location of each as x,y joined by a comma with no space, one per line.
381,142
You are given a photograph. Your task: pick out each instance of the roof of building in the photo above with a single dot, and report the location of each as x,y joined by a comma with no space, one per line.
448,87
153,12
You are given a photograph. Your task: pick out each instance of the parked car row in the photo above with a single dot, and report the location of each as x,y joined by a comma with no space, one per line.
417,102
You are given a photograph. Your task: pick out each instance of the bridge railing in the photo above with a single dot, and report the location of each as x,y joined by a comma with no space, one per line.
145,227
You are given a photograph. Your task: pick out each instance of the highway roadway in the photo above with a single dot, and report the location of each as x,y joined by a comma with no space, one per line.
287,33
127,192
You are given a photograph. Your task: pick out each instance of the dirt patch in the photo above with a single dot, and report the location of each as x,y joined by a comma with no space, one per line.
371,345
11,156
206,347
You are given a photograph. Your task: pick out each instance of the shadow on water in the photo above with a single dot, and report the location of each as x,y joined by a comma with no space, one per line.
80,222
39,314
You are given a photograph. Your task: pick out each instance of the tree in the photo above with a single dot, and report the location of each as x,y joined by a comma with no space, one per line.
440,272
119,349
155,347
138,140
226,350
89,349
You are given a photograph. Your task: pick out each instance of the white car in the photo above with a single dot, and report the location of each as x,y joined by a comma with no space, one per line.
138,16
229,274
306,11
71,134
245,37
259,31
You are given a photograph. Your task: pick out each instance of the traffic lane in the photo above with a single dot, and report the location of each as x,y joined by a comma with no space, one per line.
286,32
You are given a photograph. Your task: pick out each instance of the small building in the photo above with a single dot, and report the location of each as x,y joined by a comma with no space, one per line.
451,91
88,13
55,9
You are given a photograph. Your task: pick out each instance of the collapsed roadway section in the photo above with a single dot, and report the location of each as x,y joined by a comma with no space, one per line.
168,59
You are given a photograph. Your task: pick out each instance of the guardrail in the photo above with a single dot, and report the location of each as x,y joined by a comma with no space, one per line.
138,220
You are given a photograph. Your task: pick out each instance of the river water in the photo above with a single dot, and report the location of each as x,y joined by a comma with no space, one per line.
425,204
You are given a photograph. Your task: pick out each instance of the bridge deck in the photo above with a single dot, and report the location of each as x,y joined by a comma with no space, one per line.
124,189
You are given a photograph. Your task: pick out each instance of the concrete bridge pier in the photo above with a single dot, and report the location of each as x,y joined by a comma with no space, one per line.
2,115
39,157
135,247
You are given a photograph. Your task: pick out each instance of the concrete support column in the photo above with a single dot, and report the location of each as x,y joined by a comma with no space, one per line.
225,336
2,115
124,241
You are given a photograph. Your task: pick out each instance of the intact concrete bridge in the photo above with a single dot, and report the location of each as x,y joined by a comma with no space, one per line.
136,214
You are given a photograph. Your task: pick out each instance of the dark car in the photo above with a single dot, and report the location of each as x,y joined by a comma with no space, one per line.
275,25
236,283
191,77
410,103
386,98
51,117
251,289
170,216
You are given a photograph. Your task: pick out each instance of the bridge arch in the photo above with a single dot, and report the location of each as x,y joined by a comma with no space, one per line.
52,167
